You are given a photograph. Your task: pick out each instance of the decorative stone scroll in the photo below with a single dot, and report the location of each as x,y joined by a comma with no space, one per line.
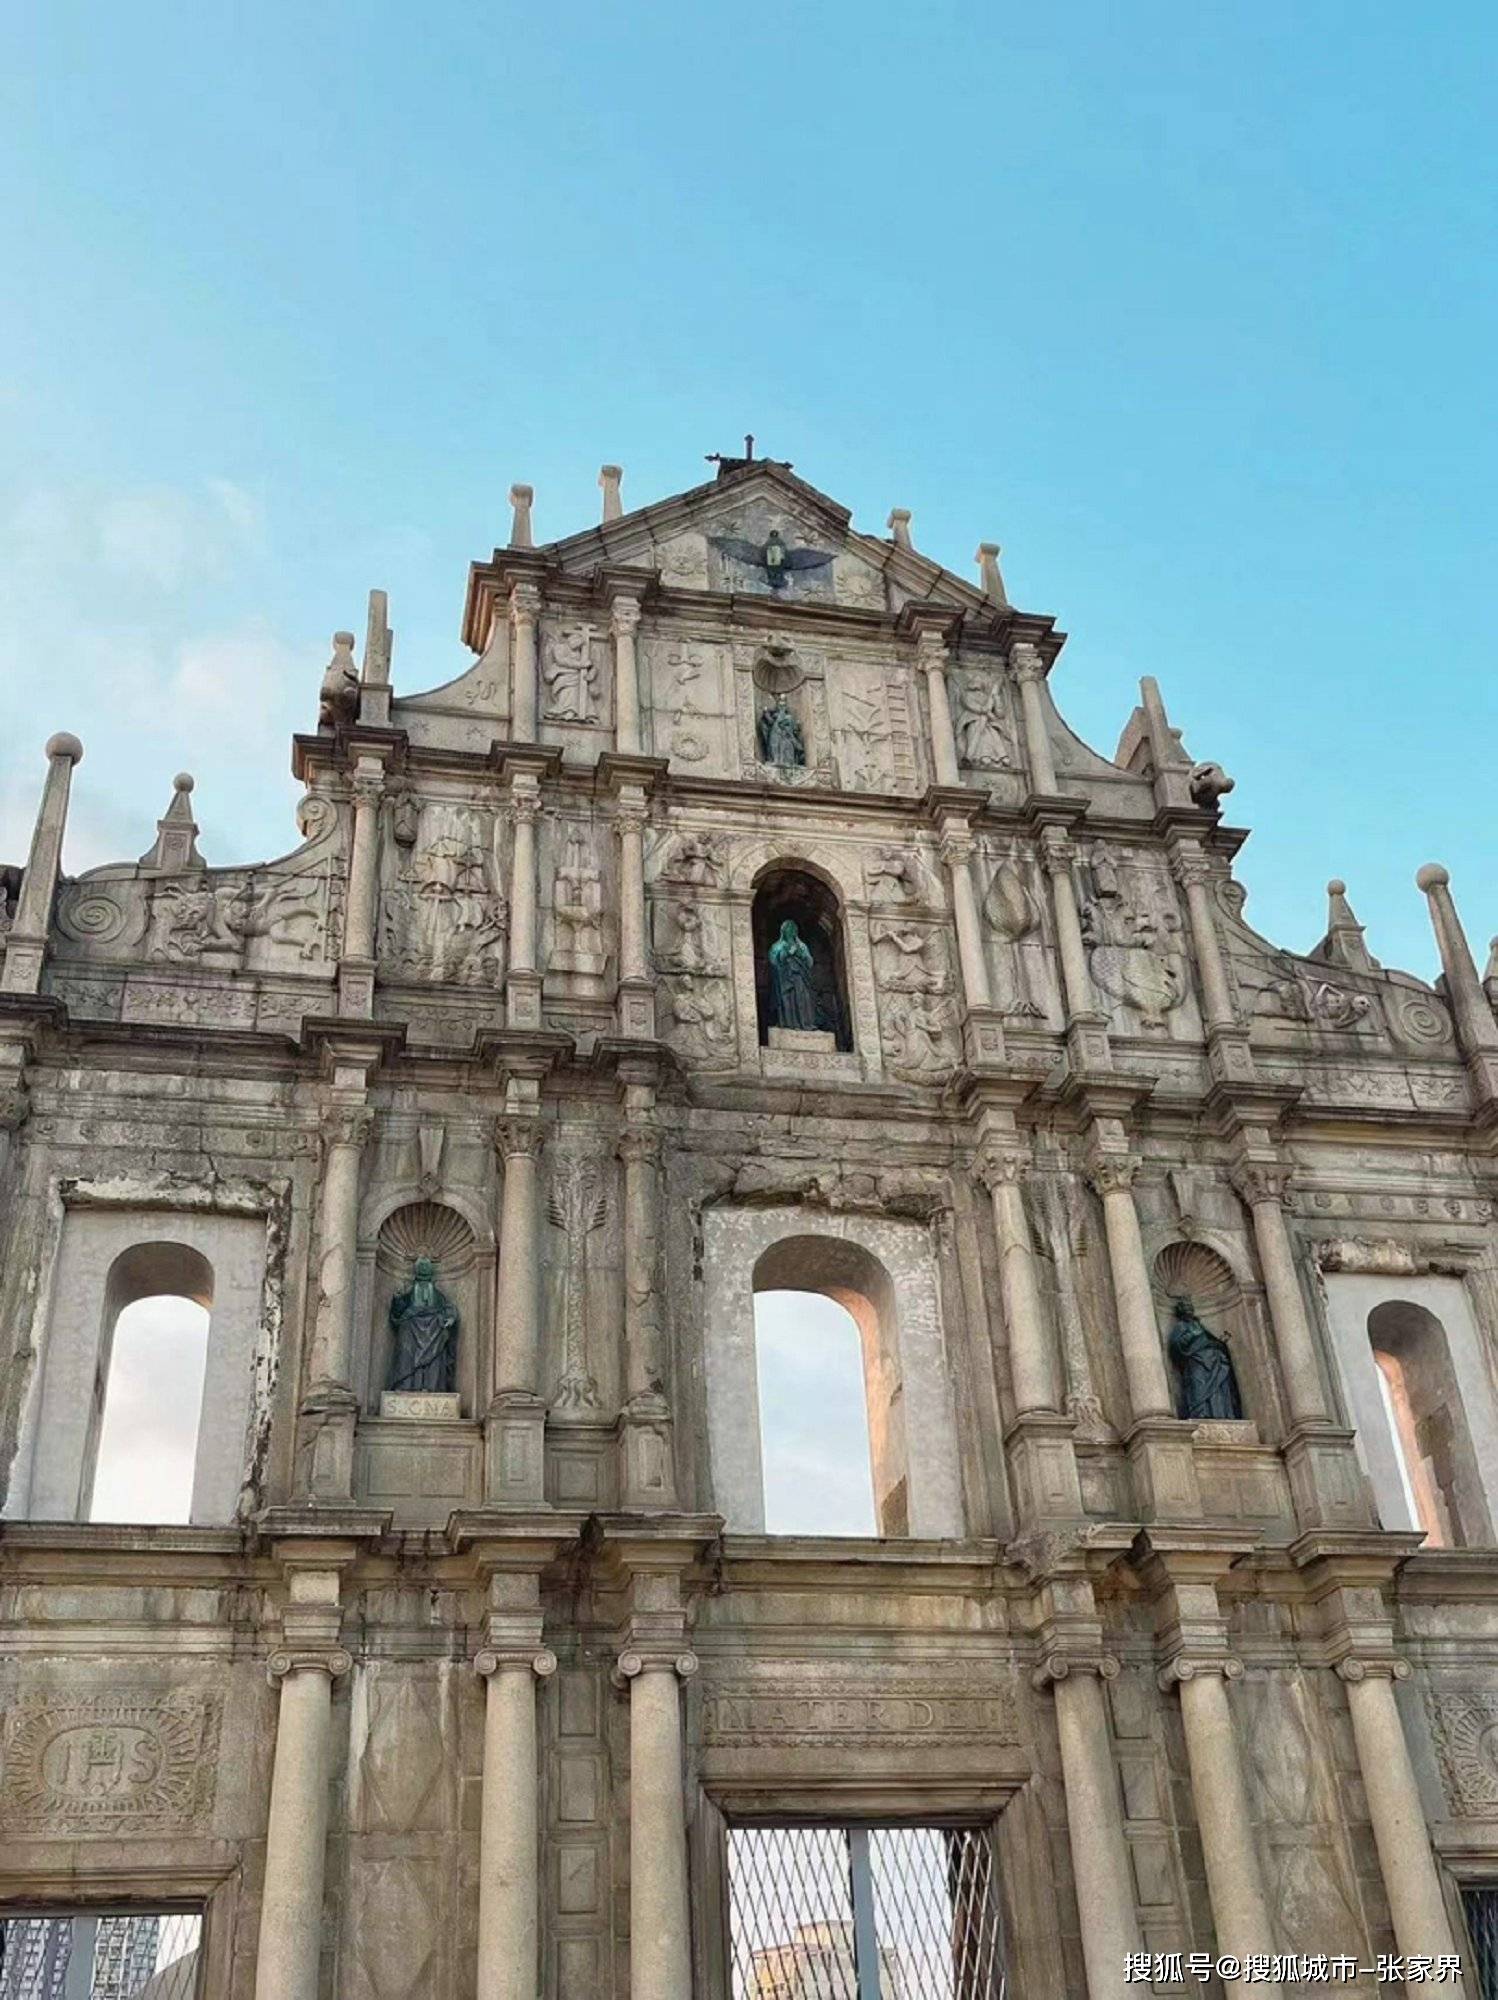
128,1763
874,1709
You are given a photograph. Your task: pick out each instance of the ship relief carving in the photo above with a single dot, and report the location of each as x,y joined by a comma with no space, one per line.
444,917
114,1765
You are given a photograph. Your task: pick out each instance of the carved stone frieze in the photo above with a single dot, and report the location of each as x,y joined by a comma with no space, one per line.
864,1710
1464,1723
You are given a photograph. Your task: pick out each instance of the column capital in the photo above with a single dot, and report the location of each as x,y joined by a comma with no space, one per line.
1061,1666
1025,662
634,1662
625,616
540,1661
525,600
1190,866
334,1662
631,815
999,1166
641,1144
367,788
15,1106
1112,1174
1184,1669
1263,1181
518,1136
524,807
1361,1668
347,1124
1055,849
955,844
931,649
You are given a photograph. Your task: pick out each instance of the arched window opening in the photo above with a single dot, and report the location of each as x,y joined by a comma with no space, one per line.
813,1420
832,1413
814,995
1423,1410
148,1394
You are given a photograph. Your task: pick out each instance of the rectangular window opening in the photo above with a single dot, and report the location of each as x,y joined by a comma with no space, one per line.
101,1955
1480,1908
864,1912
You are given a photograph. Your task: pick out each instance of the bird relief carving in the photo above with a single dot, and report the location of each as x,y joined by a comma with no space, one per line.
578,1205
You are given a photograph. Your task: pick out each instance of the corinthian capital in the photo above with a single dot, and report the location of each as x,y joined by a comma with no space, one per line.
956,847
1055,849
15,1103
640,1144
347,1124
1025,663
931,652
517,1136
368,788
1263,1181
626,617
1190,867
1000,1166
1110,1175
525,602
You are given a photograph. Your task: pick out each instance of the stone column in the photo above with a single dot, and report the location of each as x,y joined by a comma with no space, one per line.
525,615
286,1964
357,964
1094,1820
636,988
1411,1883
1193,872
26,941
1265,1189
626,622
346,1128
523,979
509,1826
931,658
957,854
1240,1908
1076,980
1139,1332
516,1418
1032,1365
1028,669
660,1931
1476,1027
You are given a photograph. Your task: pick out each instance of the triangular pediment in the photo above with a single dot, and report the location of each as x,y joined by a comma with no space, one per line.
759,530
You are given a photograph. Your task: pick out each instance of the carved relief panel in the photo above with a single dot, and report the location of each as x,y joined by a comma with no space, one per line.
691,931
872,726
576,930
1135,935
1014,909
444,917
690,708
575,667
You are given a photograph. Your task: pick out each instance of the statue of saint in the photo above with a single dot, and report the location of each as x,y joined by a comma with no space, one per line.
793,1004
425,1324
1209,1388
780,738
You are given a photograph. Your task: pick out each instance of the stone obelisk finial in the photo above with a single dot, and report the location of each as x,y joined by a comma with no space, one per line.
609,477
990,577
520,525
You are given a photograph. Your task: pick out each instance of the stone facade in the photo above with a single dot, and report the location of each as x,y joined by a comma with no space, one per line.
461,1694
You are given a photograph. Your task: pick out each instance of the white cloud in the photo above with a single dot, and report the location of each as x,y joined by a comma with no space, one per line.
234,677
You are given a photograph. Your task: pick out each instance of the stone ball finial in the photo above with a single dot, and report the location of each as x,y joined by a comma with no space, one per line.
65,744
1432,876
183,782
343,641
1336,887
899,526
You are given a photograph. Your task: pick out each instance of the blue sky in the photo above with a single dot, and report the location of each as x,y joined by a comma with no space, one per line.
1193,308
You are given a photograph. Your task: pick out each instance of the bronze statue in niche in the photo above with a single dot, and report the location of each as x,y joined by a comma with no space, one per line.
425,1324
1208,1386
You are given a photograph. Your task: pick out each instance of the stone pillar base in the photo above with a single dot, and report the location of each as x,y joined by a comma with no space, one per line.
1088,1049
647,1482
356,978
636,1015
1229,1057
1038,1447
23,965
1164,1465
523,1000
1326,1479
514,1451
326,1443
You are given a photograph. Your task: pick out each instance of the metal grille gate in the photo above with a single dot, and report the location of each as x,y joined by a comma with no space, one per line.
1480,1907
93,1955
864,1913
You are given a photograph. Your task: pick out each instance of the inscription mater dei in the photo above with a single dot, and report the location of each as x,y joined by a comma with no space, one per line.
847,1711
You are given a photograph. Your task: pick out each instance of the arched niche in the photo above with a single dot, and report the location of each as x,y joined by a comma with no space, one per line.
437,1230
1193,1270
794,892
109,1259
884,1274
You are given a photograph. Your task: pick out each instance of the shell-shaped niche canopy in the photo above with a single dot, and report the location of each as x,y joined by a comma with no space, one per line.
427,1229
1192,1271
